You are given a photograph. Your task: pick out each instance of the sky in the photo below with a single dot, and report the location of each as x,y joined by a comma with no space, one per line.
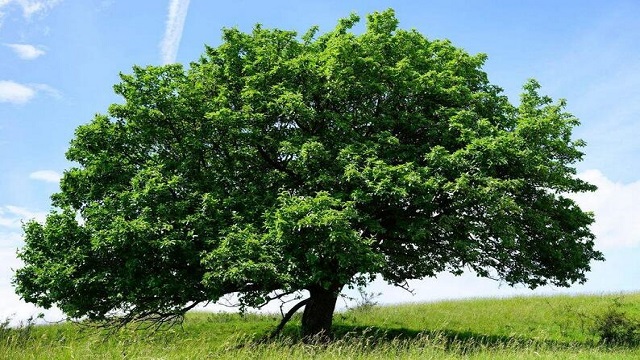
60,58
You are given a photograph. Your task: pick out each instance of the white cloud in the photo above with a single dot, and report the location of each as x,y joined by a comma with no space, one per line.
16,93
47,89
12,216
173,31
10,239
8,221
616,208
11,306
26,51
29,7
45,175
25,213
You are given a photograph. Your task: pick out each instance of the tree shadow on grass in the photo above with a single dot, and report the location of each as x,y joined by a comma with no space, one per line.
463,342
445,336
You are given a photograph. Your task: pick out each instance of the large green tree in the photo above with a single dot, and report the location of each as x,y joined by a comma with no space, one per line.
285,163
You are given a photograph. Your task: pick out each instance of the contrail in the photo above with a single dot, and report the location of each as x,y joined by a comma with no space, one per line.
173,31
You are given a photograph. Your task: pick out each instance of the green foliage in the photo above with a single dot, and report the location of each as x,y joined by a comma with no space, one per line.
616,327
283,163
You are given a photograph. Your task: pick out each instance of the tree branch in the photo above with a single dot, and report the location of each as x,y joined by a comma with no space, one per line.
275,164
153,319
276,296
405,286
287,317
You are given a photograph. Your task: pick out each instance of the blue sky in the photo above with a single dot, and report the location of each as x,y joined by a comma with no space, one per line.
60,58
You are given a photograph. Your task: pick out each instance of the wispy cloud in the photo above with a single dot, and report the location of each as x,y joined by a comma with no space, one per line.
29,7
15,93
12,216
45,175
26,51
173,32
47,89
19,94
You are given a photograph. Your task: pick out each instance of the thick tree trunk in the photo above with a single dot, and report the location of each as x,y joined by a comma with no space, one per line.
318,313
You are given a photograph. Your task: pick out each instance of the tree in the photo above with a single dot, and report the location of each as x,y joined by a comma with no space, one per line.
285,163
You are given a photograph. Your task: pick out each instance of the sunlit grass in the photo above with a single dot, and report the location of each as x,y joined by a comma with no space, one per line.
557,318
516,328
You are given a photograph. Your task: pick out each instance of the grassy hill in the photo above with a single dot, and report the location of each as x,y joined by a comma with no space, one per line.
559,327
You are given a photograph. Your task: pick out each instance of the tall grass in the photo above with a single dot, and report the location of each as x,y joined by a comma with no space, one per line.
558,327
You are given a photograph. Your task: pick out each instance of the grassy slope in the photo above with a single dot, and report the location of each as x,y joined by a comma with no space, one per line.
532,327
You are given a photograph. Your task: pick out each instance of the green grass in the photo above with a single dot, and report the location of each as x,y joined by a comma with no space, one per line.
557,327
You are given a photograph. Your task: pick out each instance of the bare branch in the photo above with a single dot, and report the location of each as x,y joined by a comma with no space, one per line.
287,317
146,319
405,286
284,302
226,302
276,296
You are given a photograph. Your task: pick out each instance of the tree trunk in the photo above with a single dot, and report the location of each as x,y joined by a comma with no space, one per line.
318,313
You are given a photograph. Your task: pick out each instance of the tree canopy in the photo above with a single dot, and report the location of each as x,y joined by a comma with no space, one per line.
279,162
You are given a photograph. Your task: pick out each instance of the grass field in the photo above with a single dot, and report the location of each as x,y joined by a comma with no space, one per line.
559,327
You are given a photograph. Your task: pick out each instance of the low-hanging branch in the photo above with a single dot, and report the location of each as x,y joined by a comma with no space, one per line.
287,317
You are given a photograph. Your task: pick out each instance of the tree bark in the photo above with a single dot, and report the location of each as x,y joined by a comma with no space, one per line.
318,313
